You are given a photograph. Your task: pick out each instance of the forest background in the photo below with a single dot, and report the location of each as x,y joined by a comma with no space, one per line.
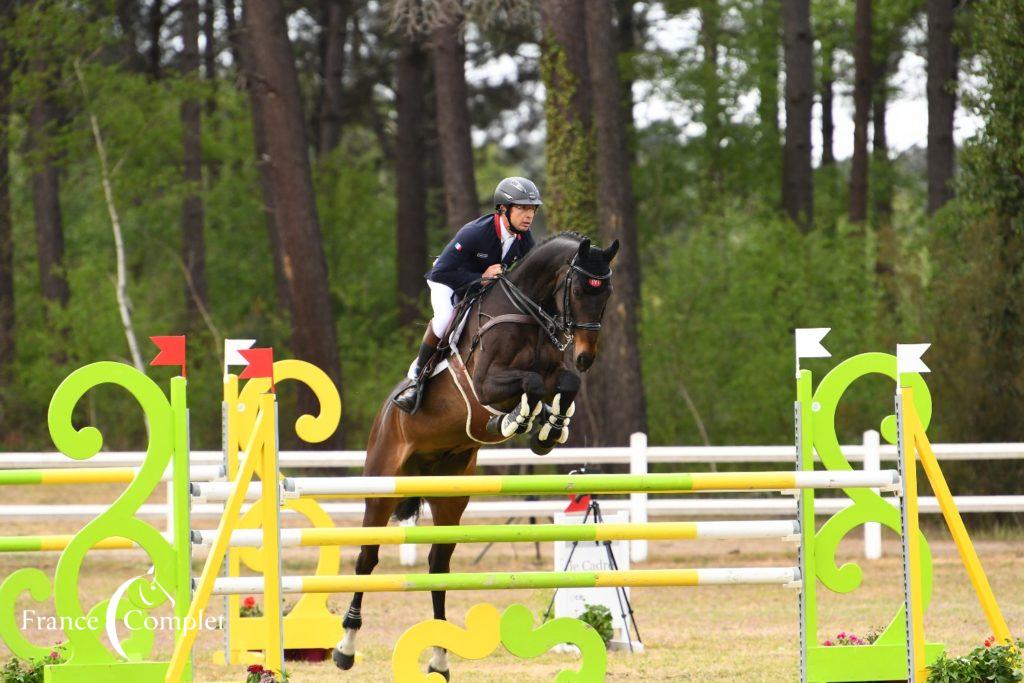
285,170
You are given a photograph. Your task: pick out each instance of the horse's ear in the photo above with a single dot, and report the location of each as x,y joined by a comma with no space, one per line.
584,250
611,251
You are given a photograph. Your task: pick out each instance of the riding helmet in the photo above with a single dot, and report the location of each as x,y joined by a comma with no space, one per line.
516,190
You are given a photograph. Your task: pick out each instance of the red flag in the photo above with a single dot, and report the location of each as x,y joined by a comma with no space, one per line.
172,351
578,503
261,364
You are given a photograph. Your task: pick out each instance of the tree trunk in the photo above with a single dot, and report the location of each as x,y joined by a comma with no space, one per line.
46,194
411,179
569,197
156,25
193,247
462,203
828,81
628,28
6,229
570,202
277,107
711,106
858,208
942,82
248,78
329,133
883,192
234,39
768,79
797,180
617,373
210,51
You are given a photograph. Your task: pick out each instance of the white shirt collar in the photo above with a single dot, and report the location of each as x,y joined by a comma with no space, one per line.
506,234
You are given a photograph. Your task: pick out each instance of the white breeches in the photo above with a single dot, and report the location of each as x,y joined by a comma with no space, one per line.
441,302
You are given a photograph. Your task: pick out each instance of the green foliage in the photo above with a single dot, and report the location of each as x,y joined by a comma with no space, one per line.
18,671
993,160
139,120
717,328
599,618
976,252
997,663
255,673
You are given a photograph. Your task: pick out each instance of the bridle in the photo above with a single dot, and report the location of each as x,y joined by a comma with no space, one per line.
559,328
568,322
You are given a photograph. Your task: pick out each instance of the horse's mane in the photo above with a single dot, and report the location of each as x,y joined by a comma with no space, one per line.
537,267
534,271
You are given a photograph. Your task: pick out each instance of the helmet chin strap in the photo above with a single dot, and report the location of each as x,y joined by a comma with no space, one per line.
507,222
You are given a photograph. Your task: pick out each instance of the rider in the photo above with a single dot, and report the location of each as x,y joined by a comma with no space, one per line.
481,249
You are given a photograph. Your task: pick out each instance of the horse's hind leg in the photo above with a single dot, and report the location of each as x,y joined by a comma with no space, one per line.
446,512
378,511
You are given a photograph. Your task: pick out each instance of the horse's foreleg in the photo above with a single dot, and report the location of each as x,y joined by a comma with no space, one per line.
505,384
378,511
554,425
446,512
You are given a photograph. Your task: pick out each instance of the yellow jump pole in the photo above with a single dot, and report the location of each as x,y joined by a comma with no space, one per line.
262,432
271,511
912,424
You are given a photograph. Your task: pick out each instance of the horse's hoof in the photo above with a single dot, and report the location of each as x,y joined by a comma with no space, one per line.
494,424
432,670
343,661
541,448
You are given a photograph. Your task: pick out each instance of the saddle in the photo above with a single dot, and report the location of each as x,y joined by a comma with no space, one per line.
447,357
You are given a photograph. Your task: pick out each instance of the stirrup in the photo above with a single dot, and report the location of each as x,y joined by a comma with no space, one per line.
409,399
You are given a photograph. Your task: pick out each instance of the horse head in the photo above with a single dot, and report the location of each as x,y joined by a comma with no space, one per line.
586,288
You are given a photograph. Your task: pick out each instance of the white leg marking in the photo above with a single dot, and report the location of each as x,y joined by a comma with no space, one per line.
348,643
439,661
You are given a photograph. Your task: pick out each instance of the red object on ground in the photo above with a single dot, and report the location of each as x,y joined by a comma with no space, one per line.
578,503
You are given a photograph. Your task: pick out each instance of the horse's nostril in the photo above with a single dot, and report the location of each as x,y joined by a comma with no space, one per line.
584,361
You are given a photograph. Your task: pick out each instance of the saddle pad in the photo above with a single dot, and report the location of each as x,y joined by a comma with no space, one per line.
453,343
438,369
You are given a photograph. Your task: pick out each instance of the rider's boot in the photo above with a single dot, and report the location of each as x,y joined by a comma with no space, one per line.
411,397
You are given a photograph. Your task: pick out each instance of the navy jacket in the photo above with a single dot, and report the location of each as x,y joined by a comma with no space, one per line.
476,246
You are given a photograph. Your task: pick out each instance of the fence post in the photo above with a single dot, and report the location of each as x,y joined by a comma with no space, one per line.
407,551
872,463
638,501
170,507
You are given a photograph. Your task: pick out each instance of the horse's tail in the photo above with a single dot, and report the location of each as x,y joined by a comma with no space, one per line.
408,508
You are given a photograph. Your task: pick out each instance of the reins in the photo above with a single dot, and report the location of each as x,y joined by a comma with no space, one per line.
557,328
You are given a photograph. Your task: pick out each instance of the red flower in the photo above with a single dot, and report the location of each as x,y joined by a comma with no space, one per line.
990,641
249,602
255,668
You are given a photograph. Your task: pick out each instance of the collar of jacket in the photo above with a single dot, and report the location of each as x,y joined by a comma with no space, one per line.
497,228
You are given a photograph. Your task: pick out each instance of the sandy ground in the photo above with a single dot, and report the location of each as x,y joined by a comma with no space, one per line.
726,633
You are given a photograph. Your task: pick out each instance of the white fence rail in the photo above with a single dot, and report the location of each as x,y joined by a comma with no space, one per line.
638,455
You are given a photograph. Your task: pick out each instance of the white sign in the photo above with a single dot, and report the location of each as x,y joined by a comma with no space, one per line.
590,557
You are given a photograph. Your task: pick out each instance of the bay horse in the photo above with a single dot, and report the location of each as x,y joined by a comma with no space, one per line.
512,371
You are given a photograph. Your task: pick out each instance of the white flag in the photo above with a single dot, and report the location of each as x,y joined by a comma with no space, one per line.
908,358
808,343
231,352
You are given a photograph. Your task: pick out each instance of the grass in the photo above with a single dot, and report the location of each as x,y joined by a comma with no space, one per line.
724,633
